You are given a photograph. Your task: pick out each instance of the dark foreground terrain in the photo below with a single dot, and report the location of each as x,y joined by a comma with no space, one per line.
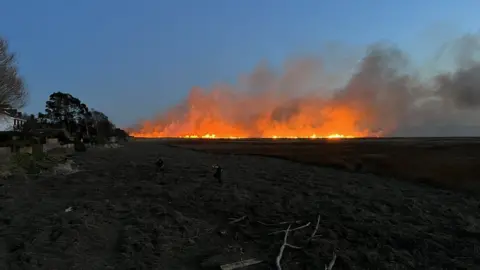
118,214
443,162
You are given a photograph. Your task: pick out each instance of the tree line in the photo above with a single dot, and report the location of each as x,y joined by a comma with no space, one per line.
62,110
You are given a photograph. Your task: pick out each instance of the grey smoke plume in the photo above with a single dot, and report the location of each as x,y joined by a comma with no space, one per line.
388,90
385,89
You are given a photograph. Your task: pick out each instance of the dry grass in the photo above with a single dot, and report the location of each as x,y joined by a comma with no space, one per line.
55,161
112,145
451,165
68,167
118,213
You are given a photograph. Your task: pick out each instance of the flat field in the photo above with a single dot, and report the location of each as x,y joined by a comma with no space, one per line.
119,213
443,162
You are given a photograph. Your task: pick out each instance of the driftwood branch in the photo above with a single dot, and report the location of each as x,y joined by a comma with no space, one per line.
332,262
285,244
282,248
237,220
298,228
280,223
316,228
240,264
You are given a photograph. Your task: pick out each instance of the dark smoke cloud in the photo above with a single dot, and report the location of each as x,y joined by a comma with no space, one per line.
390,94
385,88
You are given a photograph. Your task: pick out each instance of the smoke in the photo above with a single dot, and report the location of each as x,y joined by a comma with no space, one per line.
384,95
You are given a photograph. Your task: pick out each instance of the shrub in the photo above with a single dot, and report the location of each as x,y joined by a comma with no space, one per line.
87,140
101,140
24,162
6,136
79,146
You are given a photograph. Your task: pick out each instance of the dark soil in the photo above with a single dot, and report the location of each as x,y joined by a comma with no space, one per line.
127,215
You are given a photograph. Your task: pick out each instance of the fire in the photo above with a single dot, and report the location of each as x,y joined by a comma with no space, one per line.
219,115
213,136
269,106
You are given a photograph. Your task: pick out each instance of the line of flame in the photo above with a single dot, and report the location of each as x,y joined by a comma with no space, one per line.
213,136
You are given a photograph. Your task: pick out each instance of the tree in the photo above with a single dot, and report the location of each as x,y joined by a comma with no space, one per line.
103,126
62,110
66,111
30,125
98,116
121,134
13,93
42,119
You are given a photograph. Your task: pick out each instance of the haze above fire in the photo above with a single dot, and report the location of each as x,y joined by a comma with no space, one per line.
385,96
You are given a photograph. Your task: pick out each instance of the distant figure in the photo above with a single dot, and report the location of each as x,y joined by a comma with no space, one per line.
218,173
160,165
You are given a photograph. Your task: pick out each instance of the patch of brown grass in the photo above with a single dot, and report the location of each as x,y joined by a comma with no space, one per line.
449,165
55,161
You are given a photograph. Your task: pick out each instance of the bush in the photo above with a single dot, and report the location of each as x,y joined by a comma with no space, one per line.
101,140
24,162
38,162
15,145
79,146
87,140
6,136
62,138
120,134
34,140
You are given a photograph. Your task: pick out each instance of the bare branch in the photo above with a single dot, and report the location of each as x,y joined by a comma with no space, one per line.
282,248
292,246
316,228
281,223
298,228
332,262
240,264
13,93
237,220
285,244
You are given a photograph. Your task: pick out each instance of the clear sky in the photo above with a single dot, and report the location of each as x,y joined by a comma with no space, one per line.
131,59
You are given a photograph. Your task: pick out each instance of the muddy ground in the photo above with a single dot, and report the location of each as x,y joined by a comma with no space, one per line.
119,214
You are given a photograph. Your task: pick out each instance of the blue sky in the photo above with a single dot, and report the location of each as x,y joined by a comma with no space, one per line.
130,59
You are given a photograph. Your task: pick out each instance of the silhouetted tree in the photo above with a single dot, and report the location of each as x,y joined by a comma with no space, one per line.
30,125
42,120
66,111
13,93
103,126
63,110
121,134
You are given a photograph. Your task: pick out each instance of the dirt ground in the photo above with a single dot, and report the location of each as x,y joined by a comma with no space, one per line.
119,214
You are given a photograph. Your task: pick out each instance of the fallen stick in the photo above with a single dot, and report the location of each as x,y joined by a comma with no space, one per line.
240,264
298,228
332,262
281,223
316,228
237,220
282,248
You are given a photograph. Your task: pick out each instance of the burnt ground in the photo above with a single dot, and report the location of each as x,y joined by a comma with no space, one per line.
124,216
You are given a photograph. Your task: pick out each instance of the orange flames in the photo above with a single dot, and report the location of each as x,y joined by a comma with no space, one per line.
224,114
381,95
290,104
